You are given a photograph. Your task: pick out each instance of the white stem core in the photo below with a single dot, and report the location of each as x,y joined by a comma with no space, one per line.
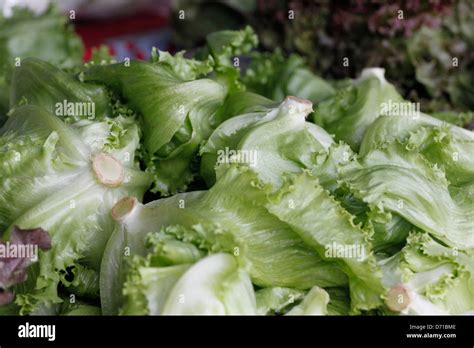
108,170
298,105
124,208
398,298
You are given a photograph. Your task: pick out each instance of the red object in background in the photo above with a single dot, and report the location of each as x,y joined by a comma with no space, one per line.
88,52
97,32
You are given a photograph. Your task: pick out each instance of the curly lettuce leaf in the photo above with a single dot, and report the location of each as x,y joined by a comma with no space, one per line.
394,179
215,285
276,77
186,69
448,146
245,139
226,47
350,112
428,278
314,303
176,115
147,288
324,225
276,300
231,217
64,178
227,44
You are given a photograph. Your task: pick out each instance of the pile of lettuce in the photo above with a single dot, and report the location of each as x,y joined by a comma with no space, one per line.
192,186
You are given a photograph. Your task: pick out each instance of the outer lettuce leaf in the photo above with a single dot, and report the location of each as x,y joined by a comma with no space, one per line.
85,310
440,143
261,238
394,179
230,217
277,299
431,278
314,303
78,308
291,146
244,102
43,84
176,115
48,179
350,112
339,301
324,225
147,288
214,285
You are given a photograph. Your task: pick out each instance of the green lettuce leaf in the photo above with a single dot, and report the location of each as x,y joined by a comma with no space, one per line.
65,178
324,225
276,300
394,179
275,77
186,69
215,285
47,37
350,112
339,301
43,84
244,139
147,288
176,115
226,47
448,146
79,309
314,303
231,217
429,278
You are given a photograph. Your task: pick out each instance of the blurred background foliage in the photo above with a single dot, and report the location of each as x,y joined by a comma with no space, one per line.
426,47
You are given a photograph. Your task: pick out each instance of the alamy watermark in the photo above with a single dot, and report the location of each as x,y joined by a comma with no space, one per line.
68,108
21,251
345,251
237,156
393,108
28,330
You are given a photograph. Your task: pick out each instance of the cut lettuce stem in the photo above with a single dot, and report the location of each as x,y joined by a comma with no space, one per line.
108,170
124,208
399,298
